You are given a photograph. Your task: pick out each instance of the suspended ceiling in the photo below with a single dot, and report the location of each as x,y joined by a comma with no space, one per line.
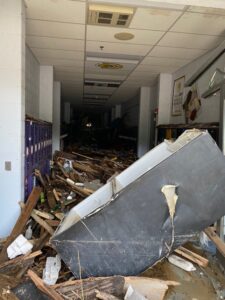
165,39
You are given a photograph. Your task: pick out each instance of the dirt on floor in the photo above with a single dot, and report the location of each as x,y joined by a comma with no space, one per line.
202,284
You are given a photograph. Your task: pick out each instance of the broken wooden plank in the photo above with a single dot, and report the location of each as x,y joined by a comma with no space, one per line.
41,222
220,245
56,195
204,260
20,259
51,199
21,222
43,214
48,290
53,223
77,288
190,257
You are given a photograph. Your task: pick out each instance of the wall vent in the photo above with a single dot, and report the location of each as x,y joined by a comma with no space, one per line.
110,15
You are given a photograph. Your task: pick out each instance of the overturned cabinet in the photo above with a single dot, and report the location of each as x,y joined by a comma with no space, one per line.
155,205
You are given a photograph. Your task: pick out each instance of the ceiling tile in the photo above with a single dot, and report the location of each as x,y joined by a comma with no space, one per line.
68,75
101,33
63,10
141,76
61,62
192,41
117,48
69,69
55,43
154,18
155,69
163,61
207,10
171,52
200,24
55,29
61,54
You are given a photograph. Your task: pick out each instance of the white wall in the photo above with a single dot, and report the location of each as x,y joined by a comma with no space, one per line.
46,93
12,112
164,98
209,111
32,84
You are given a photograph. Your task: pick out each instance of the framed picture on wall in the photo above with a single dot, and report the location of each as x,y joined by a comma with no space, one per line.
177,100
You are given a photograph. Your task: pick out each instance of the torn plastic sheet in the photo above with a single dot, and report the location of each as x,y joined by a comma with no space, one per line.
125,229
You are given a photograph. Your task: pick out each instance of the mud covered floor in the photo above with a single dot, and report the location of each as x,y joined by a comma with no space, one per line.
202,284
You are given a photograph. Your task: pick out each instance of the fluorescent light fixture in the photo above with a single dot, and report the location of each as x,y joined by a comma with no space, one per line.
112,60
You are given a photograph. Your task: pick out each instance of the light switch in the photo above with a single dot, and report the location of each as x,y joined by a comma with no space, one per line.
8,165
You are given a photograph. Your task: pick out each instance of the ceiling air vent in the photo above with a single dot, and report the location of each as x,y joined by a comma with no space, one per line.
111,84
110,15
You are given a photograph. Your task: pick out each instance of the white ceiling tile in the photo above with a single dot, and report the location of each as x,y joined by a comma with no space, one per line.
141,77
101,33
155,69
171,52
117,48
55,43
61,62
192,41
68,75
163,61
55,29
69,69
154,18
207,10
200,24
63,10
61,54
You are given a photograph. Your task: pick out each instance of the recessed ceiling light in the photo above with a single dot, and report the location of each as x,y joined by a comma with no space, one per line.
111,66
124,36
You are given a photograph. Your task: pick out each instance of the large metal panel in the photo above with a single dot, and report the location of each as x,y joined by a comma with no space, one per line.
134,229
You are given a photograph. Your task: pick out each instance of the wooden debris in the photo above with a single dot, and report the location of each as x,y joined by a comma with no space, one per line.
75,289
41,222
43,214
22,220
194,257
20,259
220,245
51,199
49,291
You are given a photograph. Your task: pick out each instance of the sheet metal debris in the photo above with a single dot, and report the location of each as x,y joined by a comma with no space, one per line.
127,231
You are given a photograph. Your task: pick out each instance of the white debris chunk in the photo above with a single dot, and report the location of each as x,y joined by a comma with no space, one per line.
18,247
132,294
169,192
51,270
181,263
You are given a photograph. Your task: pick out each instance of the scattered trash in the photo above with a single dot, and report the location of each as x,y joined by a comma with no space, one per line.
20,246
51,270
181,263
131,294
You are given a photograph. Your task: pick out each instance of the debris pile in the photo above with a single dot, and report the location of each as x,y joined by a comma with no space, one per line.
30,266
